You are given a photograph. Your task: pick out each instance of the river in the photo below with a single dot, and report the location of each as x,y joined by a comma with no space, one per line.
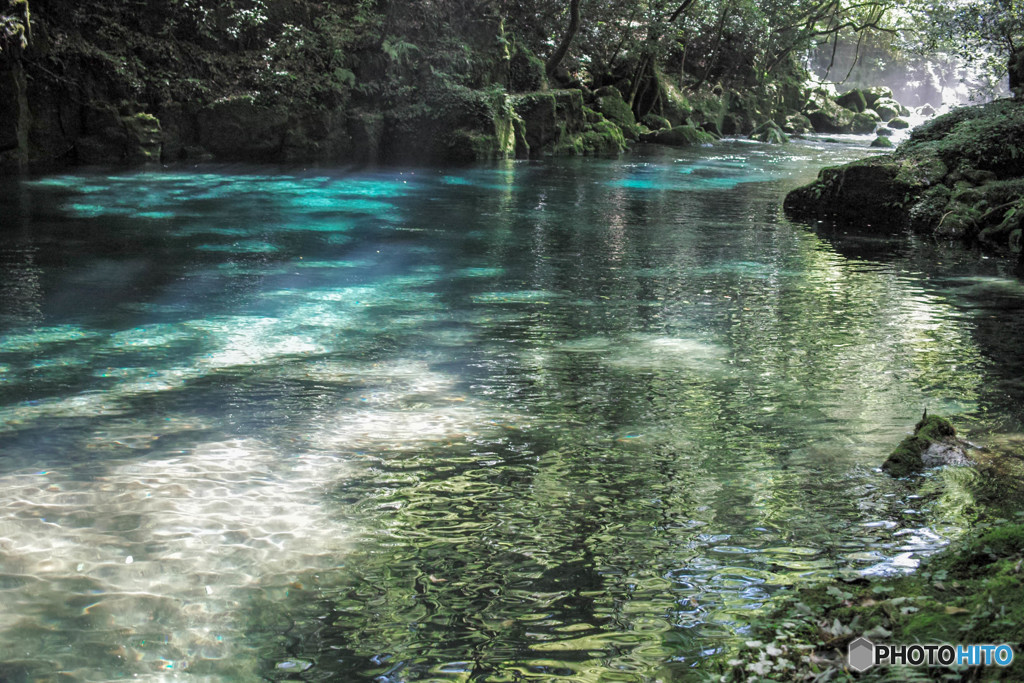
564,420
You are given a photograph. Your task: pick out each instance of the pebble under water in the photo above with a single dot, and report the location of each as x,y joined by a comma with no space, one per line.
565,420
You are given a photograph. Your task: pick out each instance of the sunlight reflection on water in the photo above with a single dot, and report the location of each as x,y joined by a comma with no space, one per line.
572,419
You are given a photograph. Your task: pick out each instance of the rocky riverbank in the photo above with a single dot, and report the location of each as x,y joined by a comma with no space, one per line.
89,82
967,593
958,178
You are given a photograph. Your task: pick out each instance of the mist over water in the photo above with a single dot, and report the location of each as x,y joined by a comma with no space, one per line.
561,419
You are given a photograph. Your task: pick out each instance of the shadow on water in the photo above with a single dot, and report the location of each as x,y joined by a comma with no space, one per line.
553,419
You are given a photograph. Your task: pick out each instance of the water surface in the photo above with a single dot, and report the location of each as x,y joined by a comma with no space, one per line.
564,420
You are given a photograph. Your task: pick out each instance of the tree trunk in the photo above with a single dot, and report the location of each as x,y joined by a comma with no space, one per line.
574,26
1015,69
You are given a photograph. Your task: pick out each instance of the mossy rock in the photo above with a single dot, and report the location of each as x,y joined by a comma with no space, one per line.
618,112
883,142
608,91
537,110
909,456
884,132
928,211
873,94
655,122
769,132
853,100
674,105
861,194
989,137
144,138
831,118
887,108
680,136
591,116
604,138
899,123
864,122
797,124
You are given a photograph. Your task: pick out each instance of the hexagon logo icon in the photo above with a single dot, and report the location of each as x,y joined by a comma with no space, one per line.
861,654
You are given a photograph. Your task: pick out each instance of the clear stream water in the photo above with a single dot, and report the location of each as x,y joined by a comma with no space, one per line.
568,420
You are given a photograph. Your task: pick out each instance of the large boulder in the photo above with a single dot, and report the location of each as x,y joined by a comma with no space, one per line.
869,193
797,124
888,108
872,95
853,100
825,115
609,102
460,124
958,177
655,122
831,119
525,71
674,105
769,132
864,122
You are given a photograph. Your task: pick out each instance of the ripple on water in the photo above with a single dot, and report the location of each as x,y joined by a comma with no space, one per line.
158,559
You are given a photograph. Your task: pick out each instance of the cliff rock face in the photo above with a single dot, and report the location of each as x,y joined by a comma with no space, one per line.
15,33
959,177
293,81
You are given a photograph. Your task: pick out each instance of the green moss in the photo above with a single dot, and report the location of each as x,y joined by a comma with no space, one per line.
906,458
853,100
618,112
769,132
927,212
989,137
882,141
887,108
525,71
864,122
655,122
968,593
609,138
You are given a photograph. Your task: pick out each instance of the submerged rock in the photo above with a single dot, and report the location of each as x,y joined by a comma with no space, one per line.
934,443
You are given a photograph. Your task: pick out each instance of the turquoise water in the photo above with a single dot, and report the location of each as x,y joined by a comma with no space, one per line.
565,420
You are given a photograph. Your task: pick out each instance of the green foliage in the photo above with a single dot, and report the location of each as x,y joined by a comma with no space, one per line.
398,50
14,26
982,32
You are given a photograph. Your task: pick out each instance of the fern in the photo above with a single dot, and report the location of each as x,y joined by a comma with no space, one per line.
398,50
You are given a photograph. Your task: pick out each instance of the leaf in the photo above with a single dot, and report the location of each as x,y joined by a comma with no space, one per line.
877,632
345,77
952,609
